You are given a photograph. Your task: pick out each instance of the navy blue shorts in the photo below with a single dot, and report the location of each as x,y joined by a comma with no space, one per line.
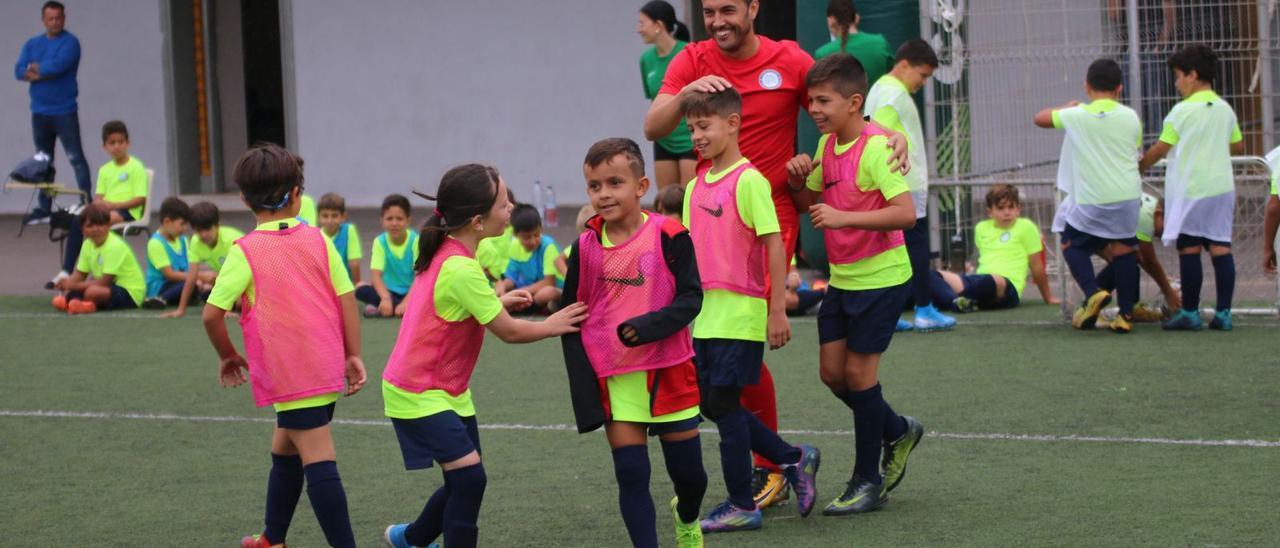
1083,240
441,437
120,299
171,291
305,418
725,363
864,319
1186,240
660,428
1010,299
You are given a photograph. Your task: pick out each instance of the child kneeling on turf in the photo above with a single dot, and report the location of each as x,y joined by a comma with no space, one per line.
391,261
738,245
106,275
865,208
631,368
425,387
167,256
302,338
531,259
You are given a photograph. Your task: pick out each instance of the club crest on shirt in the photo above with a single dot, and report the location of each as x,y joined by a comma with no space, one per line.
770,79
1004,237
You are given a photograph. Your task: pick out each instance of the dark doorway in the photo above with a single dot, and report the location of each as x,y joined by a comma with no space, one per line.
263,76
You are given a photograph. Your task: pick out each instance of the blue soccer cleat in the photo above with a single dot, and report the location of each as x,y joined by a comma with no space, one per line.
904,325
1221,320
726,517
929,319
394,537
1184,320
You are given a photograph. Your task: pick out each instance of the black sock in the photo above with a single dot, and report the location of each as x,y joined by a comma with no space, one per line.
868,431
684,467
1126,273
918,254
284,488
631,468
735,456
940,292
1192,278
1080,262
329,500
430,522
1107,277
769,444
462,509
1224,274
894,426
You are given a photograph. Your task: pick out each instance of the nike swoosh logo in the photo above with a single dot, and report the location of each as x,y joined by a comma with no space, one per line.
717,212
637,281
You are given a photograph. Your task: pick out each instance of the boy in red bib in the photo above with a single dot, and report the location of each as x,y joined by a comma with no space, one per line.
864,211
631,368
739,247
301,336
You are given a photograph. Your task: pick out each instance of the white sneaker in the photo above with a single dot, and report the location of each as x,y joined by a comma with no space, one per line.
62,275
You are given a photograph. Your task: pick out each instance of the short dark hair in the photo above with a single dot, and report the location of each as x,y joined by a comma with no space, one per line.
95,214
605,149
174,208
721,103
525,218
916,52
112,127
51,4
332,201
1199,58
1104,75
1002,193
842,72
266,174
669,200
204,215
396,200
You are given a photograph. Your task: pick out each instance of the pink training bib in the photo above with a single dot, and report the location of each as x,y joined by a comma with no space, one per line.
619,283
293,329
432,352
730,256
841,191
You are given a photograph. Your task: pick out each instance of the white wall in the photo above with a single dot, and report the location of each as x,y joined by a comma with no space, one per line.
391,96
121,76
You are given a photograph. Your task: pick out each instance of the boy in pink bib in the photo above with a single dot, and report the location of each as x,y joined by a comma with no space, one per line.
301,337
865,207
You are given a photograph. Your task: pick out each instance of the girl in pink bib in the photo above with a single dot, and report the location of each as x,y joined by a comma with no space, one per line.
426,384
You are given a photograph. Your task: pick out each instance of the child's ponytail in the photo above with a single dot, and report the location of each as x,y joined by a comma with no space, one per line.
465,192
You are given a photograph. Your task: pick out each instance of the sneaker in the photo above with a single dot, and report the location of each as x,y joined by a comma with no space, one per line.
394,537
726,518
688,535
154,303
904,325
929,319
965,305
53,282
1086,316
897,452
803,477
60,302
859,496
371,311
1121,325
770,488
1221,320
78,306
37,216
1184,320
257,541
1143,312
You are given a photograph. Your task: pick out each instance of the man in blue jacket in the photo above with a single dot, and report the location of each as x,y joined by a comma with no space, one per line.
49,62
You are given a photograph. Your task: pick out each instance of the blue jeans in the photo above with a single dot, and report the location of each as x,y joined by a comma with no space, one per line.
45,129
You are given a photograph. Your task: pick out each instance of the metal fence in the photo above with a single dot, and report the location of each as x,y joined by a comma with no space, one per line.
1004,60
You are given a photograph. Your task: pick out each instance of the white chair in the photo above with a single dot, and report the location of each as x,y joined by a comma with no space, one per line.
143,223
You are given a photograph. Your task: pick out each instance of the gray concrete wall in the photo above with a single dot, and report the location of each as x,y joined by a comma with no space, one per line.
121,77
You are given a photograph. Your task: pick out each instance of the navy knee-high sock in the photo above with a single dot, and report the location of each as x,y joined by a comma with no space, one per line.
684,467
1107,277
894,426
631,468
918,255
1126,274
430,523
735,456
768,444
329,500
1224,275
284,488
1080,262
868,431
1192,279
940,292
462,509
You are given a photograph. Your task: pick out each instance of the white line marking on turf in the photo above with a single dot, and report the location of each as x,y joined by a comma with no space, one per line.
988,436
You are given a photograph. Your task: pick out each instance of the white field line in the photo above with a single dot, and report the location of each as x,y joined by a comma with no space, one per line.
987,436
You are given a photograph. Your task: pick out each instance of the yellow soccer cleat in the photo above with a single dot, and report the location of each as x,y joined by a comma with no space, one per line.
1087,315
770,488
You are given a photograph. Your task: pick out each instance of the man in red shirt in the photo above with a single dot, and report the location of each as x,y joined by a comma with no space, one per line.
770,76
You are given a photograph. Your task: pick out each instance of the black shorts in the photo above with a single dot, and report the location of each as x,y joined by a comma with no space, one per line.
1010,299
1187,240
1083,240
442,437
865,319
306,418
660,428
663,153
727,363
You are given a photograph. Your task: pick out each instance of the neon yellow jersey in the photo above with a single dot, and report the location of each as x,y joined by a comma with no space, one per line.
113,258
492,253
1007,251
378,257
121,183
214,256
726,314
1098,153
887,268
236,278
308,211
629,396
158,257
1199,129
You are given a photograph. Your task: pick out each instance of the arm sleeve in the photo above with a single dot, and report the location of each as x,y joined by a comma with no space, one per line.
156,254
468,286
1030,237
233,280
755,204
887,117
584,387
874,157
355,251
337,271
814,182
679,73
549,254
20,67
377,257
1236,135
1168,134
67,56
668,320
99,185
1057,119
